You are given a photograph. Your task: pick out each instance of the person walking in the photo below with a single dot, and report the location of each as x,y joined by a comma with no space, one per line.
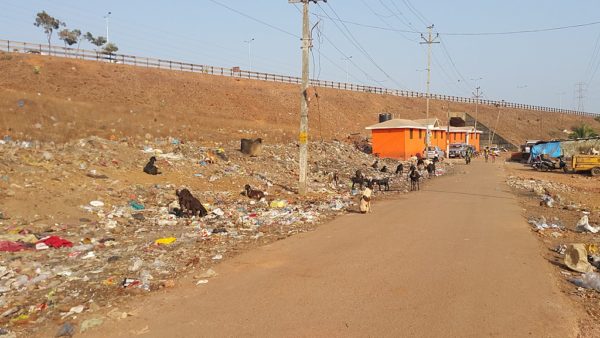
486,153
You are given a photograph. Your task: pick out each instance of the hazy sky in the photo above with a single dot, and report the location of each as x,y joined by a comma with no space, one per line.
535,68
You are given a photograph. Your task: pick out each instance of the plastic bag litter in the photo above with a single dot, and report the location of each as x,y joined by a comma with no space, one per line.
589,280
165,241
583,225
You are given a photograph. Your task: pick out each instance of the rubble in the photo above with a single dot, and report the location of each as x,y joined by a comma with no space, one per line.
83,224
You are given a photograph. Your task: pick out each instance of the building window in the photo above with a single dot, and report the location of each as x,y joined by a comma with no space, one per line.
411,134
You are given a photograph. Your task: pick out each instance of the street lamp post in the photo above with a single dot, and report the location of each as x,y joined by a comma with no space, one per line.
106,17
249,55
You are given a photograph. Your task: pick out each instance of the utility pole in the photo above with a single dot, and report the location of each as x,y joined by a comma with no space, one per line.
477,95
429,41
106,17
498,105
303,135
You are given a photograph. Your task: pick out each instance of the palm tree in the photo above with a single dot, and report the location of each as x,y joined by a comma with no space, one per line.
583,131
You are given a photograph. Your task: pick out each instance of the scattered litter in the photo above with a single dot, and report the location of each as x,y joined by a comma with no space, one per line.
576,258
97,204
583,225
589,280
66,330
202,281
165,241
90,323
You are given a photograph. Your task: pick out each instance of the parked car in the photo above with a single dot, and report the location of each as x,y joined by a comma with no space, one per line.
457,150
432,152
495,150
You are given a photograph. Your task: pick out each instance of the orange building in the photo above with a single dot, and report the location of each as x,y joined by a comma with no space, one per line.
402,139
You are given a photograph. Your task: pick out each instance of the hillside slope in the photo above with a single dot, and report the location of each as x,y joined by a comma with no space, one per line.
49,98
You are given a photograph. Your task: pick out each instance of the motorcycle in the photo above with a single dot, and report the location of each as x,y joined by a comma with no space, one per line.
549,165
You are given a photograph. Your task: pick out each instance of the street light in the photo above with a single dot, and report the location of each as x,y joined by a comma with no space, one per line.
106,17
347,59
249,55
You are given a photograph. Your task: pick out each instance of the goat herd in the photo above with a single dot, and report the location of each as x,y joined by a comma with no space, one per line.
191,206
415,173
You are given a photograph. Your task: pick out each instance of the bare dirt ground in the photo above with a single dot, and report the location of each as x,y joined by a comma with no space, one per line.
455,259
576,192
67,99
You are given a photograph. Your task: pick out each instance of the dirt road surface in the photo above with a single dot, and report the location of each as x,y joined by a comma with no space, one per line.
453,260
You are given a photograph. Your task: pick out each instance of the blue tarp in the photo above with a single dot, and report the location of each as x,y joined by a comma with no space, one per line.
551,149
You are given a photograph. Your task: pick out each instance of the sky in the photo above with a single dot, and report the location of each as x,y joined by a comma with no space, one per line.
372,42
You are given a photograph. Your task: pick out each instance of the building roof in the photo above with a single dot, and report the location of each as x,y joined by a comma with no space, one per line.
434,122
462,129
397,124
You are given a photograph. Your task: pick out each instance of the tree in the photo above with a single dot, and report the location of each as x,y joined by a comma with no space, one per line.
48,23
583,131
96,41
70,37
110,48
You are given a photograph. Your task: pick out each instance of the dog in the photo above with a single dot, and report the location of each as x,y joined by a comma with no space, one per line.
150,168
399,169
253,194
384,169
190,205
382,182
375,164
414,178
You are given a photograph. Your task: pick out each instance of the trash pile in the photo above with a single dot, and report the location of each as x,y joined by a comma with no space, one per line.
83,224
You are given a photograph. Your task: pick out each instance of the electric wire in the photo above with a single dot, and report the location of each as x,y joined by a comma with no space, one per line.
355,42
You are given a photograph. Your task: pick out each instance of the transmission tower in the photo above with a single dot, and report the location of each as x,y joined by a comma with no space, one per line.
580,95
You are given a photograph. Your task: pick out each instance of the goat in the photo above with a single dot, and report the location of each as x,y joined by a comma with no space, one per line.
414,178
150,168
382,182
190,205
384,169
375,164
399,169
254,194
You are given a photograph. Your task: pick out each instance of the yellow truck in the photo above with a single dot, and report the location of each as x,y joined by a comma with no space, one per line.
587,163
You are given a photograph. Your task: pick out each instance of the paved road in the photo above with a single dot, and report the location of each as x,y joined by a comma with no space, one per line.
453,260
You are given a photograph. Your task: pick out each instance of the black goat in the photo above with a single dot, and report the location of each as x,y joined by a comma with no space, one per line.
150,168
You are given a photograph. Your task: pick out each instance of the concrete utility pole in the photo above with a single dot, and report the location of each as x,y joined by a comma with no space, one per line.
106,17
477,95
303,135
498,105
429,41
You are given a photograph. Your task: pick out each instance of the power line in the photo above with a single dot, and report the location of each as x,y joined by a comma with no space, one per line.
539,30
385,22
355,42
416,12
254,19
